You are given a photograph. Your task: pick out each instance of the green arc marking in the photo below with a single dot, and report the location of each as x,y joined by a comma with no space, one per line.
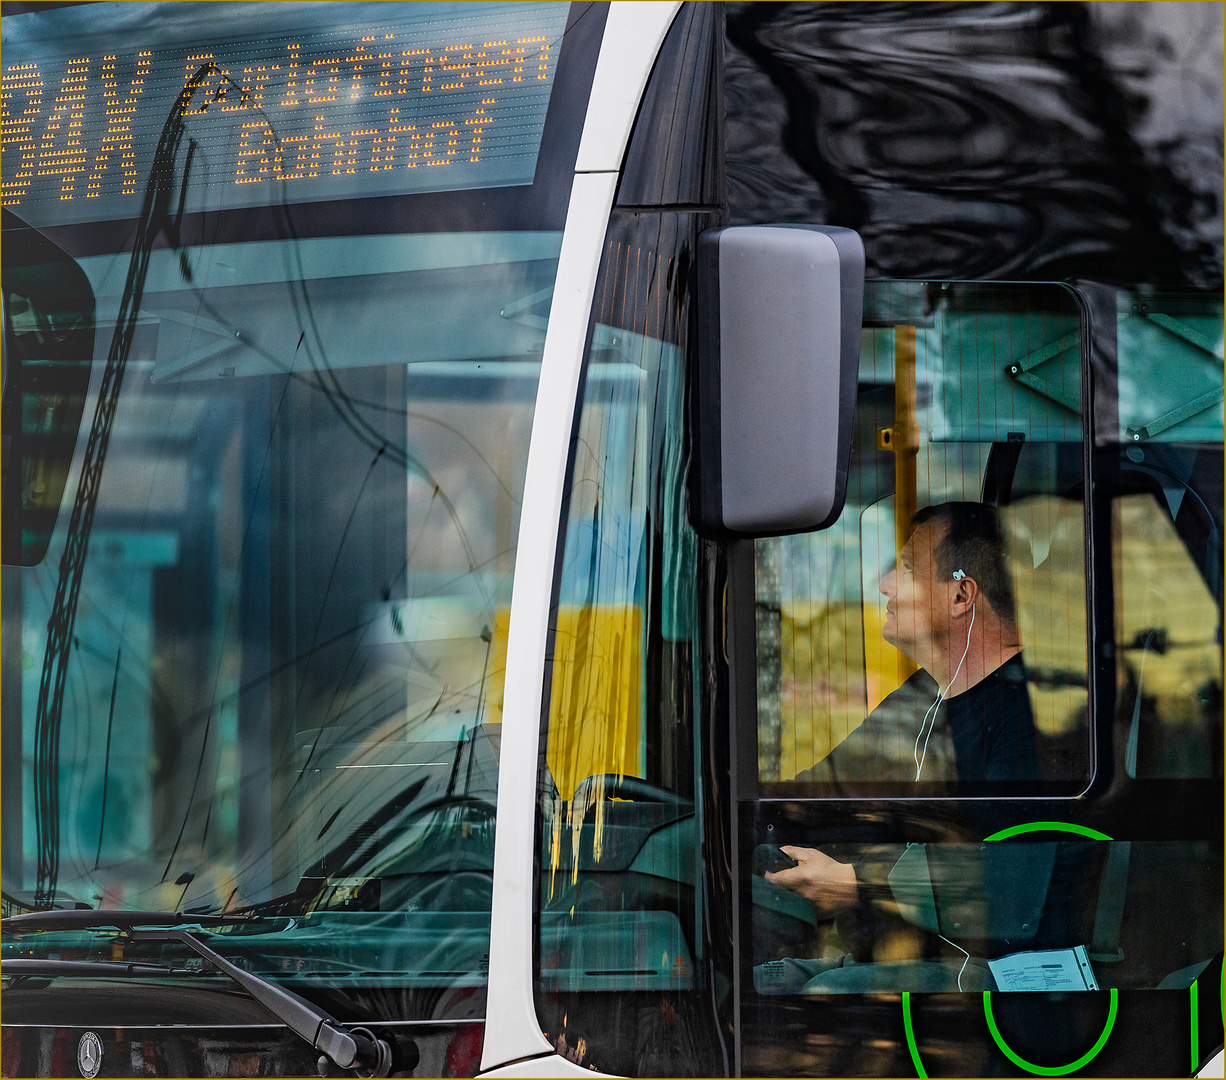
1045,1070
1037,1070
1048,826
906,1023
1193,994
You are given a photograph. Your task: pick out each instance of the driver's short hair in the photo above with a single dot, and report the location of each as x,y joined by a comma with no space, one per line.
974,543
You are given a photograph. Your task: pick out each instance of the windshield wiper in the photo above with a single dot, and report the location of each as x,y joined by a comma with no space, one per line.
348,1048
25,968
90,919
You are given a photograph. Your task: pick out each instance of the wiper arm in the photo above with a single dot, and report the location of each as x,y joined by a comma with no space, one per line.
24,968
348,1048
91,919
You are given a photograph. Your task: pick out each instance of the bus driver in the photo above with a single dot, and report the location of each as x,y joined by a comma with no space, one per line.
965,715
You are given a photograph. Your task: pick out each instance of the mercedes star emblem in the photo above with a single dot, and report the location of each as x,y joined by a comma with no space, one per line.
89,1055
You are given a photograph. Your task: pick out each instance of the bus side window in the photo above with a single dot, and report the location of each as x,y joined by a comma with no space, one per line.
968,448
1166,534
1169,667
622,973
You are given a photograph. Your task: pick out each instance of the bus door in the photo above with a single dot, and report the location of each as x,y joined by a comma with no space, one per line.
945,860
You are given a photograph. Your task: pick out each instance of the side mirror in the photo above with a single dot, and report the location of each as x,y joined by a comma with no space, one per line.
779,313
48,349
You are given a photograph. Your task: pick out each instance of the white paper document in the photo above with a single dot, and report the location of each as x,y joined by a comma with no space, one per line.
1052,969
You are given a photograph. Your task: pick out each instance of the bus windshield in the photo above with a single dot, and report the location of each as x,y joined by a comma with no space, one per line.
254,655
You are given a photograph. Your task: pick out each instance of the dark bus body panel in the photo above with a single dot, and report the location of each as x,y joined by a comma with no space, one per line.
952,167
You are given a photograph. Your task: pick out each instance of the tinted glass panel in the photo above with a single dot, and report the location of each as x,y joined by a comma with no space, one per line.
622,978
934,637
260,667
1165,473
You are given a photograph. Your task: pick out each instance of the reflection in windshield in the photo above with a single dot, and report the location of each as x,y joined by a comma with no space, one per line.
909,124
375,498
279,607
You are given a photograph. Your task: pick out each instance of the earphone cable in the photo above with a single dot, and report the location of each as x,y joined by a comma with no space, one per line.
940,698
963,952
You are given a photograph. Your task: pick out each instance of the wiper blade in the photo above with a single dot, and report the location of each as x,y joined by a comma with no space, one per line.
23,968
349,1048
91,919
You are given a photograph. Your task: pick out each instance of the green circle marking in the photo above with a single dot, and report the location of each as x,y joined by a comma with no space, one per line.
1037,1070
1048,826
1044,1070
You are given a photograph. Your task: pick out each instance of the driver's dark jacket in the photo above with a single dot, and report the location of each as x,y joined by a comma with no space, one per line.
986,733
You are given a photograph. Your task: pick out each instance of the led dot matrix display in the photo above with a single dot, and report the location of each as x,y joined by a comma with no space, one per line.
303,102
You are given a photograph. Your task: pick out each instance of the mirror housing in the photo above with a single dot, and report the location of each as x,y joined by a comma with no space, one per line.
779,315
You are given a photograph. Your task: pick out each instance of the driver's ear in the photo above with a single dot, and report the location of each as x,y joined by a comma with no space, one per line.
967,591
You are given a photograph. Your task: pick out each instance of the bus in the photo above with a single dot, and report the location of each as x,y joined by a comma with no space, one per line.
578,730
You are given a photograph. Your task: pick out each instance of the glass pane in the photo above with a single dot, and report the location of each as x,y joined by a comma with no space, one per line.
1165,483
285,680
1017,915
936,633
621,865
1170,366
1168,634
260,667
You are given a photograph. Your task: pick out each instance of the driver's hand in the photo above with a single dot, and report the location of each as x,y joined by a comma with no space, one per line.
829,885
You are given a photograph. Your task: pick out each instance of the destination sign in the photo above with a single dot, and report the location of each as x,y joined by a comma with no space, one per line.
296,101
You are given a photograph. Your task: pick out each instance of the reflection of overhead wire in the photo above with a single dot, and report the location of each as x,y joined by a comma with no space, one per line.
452,430
325,381
191,798
313,801
330,717
49,713
106,762
347,407
323,378
339,398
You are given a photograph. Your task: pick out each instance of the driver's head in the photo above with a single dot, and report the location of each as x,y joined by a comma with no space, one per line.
926,603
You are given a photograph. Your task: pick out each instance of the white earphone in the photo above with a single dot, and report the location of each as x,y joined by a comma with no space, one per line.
916,756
